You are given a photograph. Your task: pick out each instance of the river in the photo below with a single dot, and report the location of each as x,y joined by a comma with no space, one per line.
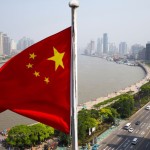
96,78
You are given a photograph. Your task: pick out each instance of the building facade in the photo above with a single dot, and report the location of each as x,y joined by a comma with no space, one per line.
6,45
123,48
99,46
105,43
147,52
24,43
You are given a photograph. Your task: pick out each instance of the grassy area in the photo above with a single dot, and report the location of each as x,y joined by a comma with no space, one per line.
99,105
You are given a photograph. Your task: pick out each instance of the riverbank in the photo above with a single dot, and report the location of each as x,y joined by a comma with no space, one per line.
133,88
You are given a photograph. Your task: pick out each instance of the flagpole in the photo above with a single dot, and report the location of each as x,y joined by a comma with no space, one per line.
74,94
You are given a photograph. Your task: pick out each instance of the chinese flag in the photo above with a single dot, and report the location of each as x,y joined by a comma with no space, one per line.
36,82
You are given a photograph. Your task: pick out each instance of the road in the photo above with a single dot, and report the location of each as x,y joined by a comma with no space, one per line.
121,139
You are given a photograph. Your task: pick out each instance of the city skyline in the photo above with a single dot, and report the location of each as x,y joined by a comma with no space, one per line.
102,46
122,20
9,47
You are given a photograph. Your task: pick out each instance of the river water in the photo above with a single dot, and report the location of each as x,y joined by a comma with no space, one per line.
96,78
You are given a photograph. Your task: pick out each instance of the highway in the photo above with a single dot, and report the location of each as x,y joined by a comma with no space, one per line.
121,139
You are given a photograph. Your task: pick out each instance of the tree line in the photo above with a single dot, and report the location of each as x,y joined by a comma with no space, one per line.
99,118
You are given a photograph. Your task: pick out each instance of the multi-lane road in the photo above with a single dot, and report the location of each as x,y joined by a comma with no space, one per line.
121,139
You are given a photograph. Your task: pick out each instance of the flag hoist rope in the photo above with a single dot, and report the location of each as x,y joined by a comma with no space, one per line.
74,93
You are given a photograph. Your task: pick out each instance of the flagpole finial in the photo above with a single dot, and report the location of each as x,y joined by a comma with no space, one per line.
74,3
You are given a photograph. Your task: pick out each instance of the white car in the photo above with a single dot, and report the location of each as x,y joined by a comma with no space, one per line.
147,107
134,141
130,130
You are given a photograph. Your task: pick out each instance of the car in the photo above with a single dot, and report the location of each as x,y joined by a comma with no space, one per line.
95,147
127,126
130,130
137,122
134,141
147,107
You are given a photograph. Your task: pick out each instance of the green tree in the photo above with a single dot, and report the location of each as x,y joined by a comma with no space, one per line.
19,136
64,139
124,106
25,136
85,121
145,89
95,114
40,132
108,114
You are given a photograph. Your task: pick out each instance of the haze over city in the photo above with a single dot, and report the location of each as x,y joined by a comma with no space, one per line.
123,20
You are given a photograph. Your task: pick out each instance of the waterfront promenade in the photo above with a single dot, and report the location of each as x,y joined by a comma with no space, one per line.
134,88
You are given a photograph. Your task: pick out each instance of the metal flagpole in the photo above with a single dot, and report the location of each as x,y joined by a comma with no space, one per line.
74,94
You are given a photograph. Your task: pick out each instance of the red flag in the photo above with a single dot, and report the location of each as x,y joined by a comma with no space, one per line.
36,82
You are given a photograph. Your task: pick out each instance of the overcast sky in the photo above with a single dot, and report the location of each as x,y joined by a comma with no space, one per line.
123,20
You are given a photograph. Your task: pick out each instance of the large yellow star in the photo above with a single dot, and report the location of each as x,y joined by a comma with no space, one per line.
57,58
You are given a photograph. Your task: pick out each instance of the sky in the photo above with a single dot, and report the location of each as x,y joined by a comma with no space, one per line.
123,20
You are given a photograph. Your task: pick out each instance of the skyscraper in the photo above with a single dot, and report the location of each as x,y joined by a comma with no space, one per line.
123,48
112,48
12,45
92,47
105,43
6,44
99,46
147,53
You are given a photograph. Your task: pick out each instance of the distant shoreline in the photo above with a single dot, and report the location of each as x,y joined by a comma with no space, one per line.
135,88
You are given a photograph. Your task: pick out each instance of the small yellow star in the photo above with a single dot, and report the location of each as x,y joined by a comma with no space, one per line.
37,74
57,58
32,56
46,80
29,65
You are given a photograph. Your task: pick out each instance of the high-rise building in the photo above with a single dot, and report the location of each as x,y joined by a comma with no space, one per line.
141,54
135,49
99,46
147,53
105,43
12,45
24,43
1,43
112,48
90,49
6,45
123,48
